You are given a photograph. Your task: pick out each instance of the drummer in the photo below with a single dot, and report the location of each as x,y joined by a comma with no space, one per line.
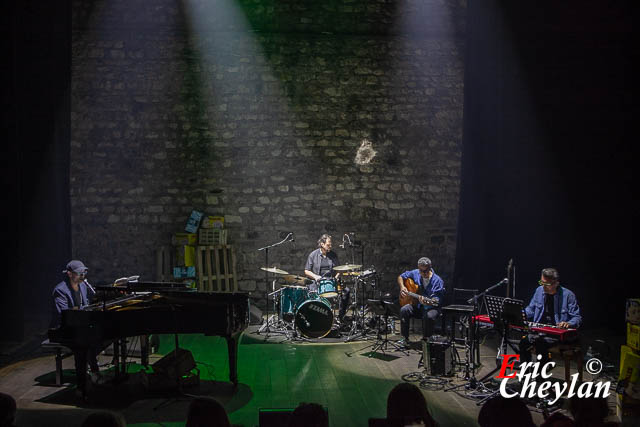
320,263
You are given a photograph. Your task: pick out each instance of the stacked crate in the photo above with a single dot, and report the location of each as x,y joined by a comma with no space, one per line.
628,399
200,255
178,261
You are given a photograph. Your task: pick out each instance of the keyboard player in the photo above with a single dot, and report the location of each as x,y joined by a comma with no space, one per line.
72,293
552,304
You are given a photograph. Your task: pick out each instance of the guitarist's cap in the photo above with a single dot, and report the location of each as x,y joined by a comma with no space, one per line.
424,262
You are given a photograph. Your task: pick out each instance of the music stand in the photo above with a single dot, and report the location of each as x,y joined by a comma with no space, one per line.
359,319
503,312
381,308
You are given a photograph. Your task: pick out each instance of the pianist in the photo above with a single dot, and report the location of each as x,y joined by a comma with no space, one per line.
552,304
73,294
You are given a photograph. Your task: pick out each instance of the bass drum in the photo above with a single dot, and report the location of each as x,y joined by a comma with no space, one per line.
290,299
314,318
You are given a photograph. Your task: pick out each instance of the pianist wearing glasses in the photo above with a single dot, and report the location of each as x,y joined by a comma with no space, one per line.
73,294
552,304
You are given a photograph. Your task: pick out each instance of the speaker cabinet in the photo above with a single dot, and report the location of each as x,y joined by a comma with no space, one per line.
437,357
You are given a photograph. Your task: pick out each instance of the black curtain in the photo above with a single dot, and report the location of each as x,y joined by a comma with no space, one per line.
546,173
36,171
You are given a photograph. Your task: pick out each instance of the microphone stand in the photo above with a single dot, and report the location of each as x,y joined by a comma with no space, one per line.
510,279
475,352
474,300
289,238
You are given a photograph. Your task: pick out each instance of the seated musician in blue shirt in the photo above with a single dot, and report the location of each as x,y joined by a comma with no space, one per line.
73,294
552,304
430,289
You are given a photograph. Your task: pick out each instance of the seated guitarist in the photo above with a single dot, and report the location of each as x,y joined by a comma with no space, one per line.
420,293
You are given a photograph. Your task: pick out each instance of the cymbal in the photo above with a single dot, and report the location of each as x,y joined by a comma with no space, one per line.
295,279
274,270
347,267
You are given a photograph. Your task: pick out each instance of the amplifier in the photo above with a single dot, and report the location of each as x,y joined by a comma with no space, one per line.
173,367
437,357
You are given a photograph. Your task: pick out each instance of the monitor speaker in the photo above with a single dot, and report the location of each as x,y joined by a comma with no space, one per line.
437,357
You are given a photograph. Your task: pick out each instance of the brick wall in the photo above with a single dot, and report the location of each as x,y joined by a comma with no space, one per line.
264,114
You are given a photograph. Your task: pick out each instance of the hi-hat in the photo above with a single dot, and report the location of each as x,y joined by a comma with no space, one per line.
347,267
274,270
296,280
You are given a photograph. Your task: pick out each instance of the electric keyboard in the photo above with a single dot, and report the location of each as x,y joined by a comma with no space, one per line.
540,328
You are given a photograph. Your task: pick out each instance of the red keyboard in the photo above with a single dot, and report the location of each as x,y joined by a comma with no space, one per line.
553,331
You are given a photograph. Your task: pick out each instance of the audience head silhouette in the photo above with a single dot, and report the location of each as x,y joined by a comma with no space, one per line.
558,420
406,403
7,410
589,411
309,415
104,419
505,412
206,412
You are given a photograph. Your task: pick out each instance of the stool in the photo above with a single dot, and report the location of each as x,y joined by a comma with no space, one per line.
569,352
61,352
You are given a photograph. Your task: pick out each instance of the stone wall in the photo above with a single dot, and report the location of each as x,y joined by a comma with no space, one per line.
304,117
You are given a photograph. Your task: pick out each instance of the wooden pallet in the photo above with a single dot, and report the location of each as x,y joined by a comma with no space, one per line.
216,268
212,236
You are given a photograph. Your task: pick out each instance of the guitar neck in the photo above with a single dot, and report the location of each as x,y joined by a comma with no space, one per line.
429,301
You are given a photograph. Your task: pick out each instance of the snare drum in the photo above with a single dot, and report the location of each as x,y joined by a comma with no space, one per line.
314,318
291,298
327,288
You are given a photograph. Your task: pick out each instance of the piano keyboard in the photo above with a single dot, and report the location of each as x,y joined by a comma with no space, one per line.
541,328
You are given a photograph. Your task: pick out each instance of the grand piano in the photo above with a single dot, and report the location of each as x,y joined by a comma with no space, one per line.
155,308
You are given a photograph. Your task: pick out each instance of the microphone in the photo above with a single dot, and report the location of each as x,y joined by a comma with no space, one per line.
89,286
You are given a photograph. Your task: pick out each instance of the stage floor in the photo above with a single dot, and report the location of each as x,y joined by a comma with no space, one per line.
347,378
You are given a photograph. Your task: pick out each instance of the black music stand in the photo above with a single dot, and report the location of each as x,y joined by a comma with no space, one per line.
359,318
381,308
460,310
504,313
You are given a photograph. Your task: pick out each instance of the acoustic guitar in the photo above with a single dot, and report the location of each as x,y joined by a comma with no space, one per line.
412,296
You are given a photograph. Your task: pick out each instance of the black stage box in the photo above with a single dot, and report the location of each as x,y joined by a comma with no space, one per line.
436,355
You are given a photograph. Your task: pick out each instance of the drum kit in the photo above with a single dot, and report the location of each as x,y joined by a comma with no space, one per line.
307,309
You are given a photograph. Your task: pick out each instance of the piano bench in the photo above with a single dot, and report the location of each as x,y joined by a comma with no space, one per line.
61,353
569,352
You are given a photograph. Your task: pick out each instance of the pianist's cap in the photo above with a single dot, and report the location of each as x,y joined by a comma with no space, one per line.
75,266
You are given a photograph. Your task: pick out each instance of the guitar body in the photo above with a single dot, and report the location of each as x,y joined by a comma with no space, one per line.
411,287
